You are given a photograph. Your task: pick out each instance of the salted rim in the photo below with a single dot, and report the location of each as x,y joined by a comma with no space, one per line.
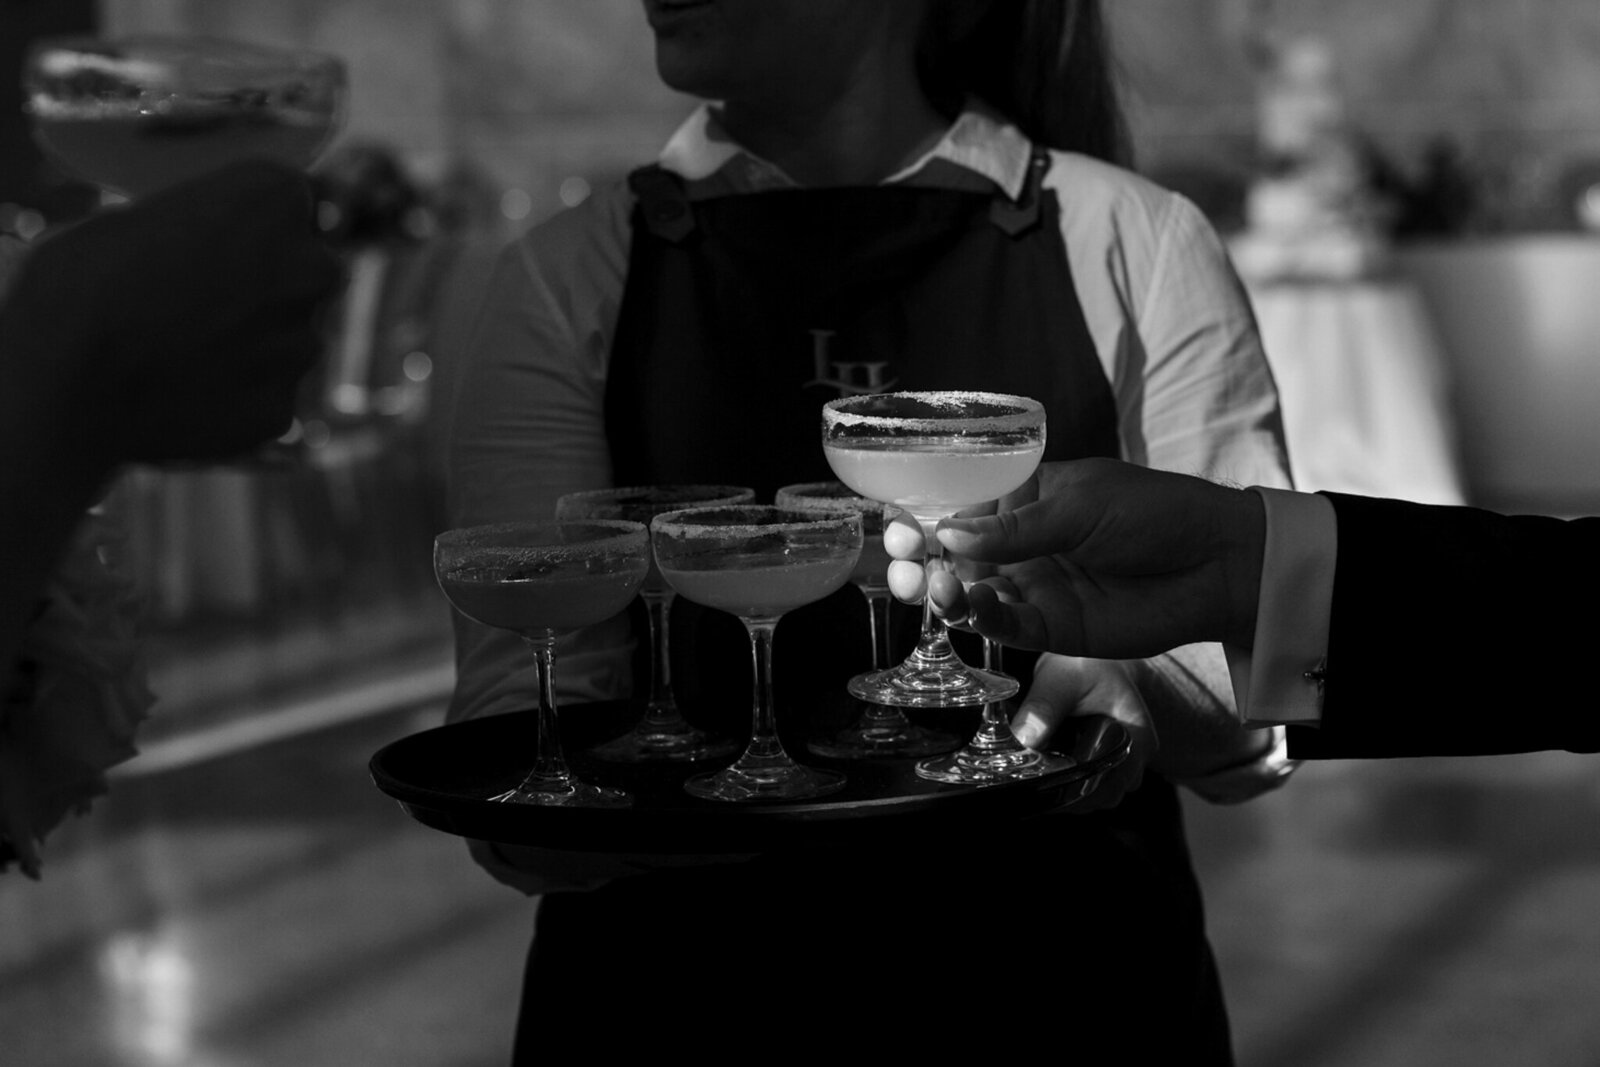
626,538
690,494
172,75
819,496
875,514
159,54
678,523
835,413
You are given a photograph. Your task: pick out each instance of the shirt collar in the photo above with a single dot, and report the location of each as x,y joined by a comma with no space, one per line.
704,154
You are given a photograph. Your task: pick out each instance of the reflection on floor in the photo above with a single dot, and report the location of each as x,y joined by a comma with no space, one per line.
246,897
1412,913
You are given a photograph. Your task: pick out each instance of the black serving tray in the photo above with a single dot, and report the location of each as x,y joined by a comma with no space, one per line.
443,778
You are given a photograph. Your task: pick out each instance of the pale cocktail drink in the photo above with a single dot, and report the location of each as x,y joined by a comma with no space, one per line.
137,114
136,154
871,568
758,563
933,479
643,503
754,586
557,602
540,580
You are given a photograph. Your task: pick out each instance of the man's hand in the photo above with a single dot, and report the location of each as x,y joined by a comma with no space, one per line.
177,328
1100,558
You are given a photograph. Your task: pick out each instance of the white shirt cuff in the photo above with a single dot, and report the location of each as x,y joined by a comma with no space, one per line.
1279,680
1248,780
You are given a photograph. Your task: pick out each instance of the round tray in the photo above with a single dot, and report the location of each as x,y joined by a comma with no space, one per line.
443,777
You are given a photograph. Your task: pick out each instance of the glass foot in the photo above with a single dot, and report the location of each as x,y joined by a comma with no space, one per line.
673,742
908,686
977,766
564,793
883,733
780,782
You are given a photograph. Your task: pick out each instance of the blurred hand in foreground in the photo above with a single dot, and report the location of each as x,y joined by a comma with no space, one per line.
178,327
1096,558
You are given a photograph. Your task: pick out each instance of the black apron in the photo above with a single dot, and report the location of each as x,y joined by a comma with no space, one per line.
742,316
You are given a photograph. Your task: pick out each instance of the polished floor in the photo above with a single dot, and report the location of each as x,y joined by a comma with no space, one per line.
246,897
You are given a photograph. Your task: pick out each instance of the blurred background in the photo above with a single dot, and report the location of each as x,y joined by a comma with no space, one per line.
1412,195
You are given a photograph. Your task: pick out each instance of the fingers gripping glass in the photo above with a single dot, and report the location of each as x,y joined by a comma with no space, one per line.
933,454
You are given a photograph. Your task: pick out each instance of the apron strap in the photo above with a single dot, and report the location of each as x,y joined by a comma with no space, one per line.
664,203
1016,217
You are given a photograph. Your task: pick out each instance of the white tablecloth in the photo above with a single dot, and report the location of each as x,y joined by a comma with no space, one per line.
1365,388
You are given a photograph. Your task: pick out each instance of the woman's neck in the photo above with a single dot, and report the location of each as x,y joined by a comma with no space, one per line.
859,135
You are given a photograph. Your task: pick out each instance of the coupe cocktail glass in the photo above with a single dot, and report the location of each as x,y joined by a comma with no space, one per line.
541,580
758,563
663,734
933,454
879,731
136,114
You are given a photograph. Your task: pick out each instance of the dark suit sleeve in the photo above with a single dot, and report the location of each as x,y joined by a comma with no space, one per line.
1457,631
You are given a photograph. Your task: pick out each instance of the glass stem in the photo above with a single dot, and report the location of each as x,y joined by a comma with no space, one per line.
549,765
662,707
995,734
764,745
880,720
933,646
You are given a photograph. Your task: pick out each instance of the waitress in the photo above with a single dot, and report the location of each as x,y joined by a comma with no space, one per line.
903,194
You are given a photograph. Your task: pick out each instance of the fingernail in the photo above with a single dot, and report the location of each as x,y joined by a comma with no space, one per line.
1027,727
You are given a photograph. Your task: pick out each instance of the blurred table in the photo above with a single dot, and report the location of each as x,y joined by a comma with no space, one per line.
1519,316
1365,387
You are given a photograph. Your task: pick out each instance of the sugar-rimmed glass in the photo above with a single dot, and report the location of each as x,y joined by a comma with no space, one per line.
135,114
540,580
758,562
933,454
879,731
662,734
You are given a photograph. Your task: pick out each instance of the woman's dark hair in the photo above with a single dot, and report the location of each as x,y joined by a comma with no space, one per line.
1044,64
